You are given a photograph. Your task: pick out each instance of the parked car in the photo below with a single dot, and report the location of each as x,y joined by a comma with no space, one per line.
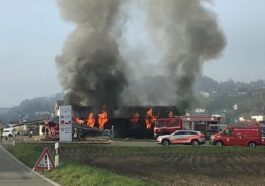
182,137
9,132
251,135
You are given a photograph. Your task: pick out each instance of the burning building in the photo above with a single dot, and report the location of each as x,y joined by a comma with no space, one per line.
136,122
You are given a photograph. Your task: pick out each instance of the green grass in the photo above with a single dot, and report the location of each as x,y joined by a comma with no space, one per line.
76,174
73,173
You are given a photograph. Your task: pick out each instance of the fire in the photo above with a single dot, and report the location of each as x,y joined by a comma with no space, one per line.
91,119
149,118
102,119
135,118
77,119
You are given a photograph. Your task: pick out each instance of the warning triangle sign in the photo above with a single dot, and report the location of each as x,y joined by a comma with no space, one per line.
45,161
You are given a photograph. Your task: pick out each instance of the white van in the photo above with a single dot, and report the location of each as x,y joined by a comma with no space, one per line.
9,132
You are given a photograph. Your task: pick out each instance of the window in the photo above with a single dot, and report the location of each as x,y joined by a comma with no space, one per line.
179,133
190,133
263,131
228,132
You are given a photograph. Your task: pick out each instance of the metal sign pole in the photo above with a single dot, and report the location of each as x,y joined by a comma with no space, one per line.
56,154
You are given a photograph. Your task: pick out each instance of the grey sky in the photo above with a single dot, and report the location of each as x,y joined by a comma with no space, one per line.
244,56
32,34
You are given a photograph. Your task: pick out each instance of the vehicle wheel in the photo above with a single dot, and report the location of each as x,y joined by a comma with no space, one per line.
10,135
252,144
165,142
194,142
219,144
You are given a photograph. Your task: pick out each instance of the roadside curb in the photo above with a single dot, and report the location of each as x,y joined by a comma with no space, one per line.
29,169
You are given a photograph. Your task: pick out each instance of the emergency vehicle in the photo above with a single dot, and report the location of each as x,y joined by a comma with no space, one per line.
182,137
240,135
208,125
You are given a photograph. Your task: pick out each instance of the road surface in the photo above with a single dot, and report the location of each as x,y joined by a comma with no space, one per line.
14,174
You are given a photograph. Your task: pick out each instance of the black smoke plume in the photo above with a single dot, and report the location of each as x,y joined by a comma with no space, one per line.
90,67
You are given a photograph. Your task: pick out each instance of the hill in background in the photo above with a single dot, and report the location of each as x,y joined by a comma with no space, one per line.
230,98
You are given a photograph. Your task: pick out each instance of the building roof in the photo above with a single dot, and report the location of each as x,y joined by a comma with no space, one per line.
31,122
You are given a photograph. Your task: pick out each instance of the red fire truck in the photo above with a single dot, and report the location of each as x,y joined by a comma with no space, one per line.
240,135
208,125
165,126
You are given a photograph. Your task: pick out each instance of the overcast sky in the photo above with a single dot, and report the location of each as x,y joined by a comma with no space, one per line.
32,33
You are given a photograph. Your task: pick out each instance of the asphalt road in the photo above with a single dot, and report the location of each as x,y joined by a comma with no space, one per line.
14,174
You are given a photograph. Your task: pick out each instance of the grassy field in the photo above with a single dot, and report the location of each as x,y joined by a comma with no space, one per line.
139,165
73,173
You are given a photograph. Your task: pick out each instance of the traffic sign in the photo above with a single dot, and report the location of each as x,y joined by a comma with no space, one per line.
45,161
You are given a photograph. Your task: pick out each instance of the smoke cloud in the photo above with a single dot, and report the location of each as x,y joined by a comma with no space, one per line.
187,35
90,67
96,66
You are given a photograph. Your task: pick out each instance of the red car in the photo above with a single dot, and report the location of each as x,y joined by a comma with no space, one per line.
182,137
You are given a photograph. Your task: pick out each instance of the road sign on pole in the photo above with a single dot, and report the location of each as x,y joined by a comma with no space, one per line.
45,161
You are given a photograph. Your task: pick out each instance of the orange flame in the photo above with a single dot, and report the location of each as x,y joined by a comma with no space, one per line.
102,119
150,118
91,119
77,119
135,118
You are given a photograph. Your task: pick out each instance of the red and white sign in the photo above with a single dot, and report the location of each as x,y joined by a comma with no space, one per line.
45,161
65,123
